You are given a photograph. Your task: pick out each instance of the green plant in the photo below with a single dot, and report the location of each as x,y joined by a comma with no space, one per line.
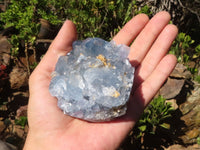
134,9
154,117
198,140
34,65
24,16
185,50
20,14
93,18
22,121
197,54
197,50
97,18
192,70
181,47
197,78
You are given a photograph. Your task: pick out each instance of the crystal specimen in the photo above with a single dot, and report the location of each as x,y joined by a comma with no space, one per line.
93,82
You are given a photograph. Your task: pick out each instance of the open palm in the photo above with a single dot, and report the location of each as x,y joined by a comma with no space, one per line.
50,129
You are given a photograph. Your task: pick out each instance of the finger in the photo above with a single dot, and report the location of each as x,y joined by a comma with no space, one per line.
63,41
147,37
61,45
127,34
40,98
146,91
156,53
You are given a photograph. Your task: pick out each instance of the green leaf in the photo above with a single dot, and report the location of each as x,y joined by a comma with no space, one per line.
198,140
22,121
142,128
197,49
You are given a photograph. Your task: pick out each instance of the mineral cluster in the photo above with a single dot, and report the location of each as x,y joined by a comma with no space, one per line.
93,82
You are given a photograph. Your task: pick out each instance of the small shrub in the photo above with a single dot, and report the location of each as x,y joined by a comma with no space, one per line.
185,50
24,16
154,117
181,47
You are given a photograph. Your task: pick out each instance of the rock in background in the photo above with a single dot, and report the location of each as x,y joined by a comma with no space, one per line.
4,51
18,78
6,146
191,116
185,97
13,97
179,78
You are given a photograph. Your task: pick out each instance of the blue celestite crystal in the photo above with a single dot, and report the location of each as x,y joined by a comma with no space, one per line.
93,82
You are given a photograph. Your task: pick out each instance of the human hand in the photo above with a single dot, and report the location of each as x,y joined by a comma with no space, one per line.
50,129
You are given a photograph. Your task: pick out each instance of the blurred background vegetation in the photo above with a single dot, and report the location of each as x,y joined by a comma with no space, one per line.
103,18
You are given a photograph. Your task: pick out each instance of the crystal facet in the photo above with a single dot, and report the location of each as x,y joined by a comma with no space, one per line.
93,82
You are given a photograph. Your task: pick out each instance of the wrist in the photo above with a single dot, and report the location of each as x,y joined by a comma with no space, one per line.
31,142
41,141
34,141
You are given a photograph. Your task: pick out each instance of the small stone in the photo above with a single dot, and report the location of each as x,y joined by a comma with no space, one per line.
18,78
194,133
172,88
93,82
181,72
6,146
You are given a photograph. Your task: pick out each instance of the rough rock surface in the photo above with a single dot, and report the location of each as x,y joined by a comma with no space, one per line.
191,116
180,147
181,71
172,88
4,51
93,82
6,146
18,78
175,82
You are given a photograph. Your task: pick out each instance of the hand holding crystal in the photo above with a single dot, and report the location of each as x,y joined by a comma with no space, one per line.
50,129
